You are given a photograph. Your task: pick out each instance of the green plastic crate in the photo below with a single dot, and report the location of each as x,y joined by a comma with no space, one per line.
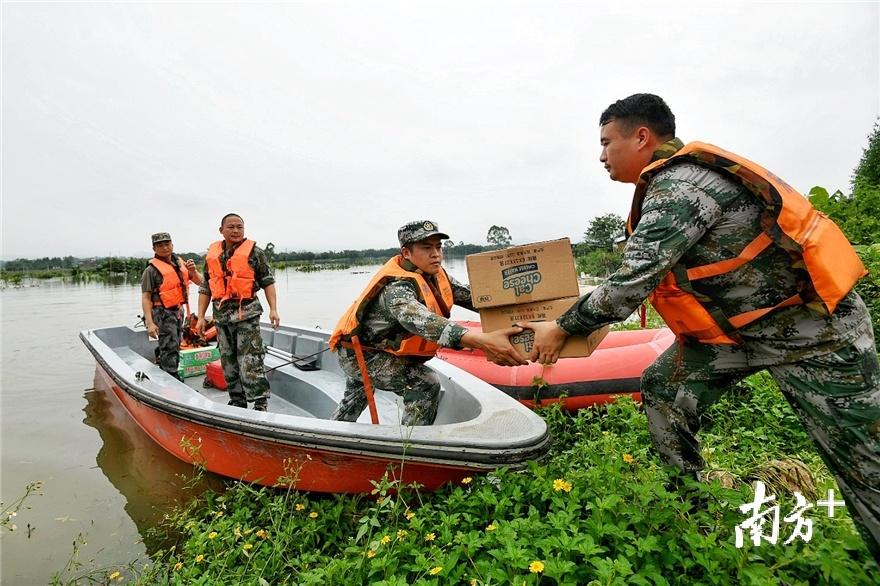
199,356
188,371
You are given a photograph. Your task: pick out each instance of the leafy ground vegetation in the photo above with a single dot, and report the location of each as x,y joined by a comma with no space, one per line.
601,509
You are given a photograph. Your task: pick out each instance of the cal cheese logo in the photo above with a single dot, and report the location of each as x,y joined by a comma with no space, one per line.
526,339
521,278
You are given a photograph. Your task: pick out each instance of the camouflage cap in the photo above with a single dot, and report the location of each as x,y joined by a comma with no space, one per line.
415,231
161,237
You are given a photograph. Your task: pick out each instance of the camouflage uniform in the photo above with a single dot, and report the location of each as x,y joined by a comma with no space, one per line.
238,333
826,366
169,321
394,314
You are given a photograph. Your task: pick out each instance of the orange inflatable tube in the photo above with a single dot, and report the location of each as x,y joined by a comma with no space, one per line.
614,368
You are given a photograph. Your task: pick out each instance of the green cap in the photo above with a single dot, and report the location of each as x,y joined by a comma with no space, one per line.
415,231
161,237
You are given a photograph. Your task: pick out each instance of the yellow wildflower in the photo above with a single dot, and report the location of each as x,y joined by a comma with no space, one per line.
473,582
262,534
200,558
313,515
604,433
628,459
410,515
219,514
374,491
467,480
430,537
236,532
299,506
401,533
435,570
385,540
560,484
114,575
249,531
536,567
212,535
371,553
491,527
178,565
247,546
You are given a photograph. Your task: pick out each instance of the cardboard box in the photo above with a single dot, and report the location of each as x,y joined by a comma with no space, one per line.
496,318
522,274
188,371
199,356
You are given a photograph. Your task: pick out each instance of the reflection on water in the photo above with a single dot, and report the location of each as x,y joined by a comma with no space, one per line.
151,480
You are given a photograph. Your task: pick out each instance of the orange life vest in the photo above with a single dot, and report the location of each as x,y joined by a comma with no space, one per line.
790,222
172,292
411,345
236,279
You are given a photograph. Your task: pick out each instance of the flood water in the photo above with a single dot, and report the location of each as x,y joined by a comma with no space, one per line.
103,478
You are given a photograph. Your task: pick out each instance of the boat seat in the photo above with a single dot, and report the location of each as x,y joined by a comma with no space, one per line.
307,345
285,341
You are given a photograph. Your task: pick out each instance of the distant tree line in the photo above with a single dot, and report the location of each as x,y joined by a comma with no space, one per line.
112,265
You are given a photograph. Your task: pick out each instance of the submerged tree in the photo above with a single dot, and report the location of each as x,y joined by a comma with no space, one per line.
499,236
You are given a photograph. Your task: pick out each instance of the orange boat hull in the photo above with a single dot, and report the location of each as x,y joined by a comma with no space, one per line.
262,461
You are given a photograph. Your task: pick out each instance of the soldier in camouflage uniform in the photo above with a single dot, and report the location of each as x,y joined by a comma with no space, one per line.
825,365
238,318
164,323
398,312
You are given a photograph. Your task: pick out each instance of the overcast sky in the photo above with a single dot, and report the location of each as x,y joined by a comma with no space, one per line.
327,125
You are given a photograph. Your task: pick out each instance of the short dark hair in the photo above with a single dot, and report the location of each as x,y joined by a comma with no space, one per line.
643,110
223,221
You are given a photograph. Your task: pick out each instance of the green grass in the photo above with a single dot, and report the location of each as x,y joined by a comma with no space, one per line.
596,511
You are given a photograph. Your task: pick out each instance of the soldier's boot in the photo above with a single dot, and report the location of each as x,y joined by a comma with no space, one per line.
261,405
237,399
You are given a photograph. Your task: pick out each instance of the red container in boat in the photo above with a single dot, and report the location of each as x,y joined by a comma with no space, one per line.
214,373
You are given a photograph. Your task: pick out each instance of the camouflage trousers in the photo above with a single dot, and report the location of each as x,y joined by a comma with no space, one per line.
169,322
411,379
241,354
836,396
